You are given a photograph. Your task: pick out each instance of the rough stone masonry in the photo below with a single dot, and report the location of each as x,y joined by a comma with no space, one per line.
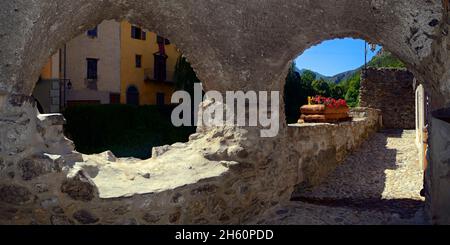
391,91
226,175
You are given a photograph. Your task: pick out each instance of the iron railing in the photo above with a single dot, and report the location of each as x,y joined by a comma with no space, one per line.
149,76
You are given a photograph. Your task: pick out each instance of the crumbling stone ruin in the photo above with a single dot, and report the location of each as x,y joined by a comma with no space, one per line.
222,175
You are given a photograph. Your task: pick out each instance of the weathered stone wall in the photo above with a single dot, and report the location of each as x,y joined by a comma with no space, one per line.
439,171
320,147
391,91
44,181
203,188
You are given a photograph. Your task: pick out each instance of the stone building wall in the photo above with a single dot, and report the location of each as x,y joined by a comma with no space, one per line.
391,91
106,47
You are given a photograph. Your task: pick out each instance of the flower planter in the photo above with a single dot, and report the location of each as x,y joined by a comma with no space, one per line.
322,109
324,114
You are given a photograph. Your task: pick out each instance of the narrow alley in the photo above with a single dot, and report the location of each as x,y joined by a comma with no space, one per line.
378,184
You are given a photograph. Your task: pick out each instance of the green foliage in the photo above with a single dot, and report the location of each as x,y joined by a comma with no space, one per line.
337,91
294,95
185,79
308,76
352,85
184,76
128,131
296,92
321,87
386,59
352,95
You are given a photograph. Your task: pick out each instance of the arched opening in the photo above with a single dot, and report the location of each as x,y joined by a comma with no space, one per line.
114,85
330,69
366,161
132,96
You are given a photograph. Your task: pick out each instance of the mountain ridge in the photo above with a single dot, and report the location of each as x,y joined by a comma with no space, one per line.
334,79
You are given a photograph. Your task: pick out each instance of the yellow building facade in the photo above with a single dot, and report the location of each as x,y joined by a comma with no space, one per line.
140,51
132,66
46,72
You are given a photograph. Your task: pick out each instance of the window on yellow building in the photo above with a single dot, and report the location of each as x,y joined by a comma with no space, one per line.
138,61
138,33
160,67
162,40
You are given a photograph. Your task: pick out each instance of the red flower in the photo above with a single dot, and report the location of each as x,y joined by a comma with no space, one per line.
329,102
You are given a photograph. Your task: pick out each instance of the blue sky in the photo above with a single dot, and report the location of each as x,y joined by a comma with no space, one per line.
334,56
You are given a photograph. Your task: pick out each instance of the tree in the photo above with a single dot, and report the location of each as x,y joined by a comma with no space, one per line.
306,89
337,91
185,79
308,76
321,87
352,95
184,76
293,97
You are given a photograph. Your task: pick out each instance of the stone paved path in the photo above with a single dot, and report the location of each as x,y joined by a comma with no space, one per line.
378,184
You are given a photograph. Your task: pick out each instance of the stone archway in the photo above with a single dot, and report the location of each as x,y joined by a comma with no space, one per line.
239,45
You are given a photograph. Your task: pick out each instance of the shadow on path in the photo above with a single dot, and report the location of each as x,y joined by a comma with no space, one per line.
361,183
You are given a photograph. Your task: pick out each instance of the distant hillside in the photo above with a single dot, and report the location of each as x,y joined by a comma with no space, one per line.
343,76
381,59
318,75
334,79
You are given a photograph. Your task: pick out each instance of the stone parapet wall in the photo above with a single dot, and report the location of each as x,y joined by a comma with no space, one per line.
223,175
391,91
320,147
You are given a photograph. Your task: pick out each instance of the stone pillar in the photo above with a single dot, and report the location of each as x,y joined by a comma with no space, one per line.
420,122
